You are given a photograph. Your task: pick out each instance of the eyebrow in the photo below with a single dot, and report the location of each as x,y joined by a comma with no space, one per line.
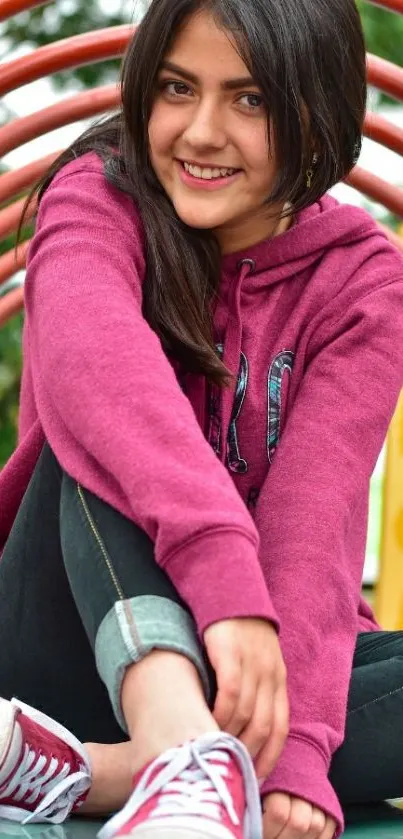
228,84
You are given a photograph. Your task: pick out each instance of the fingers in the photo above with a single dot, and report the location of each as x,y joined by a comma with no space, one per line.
251,701
241,709
260,725
299,821
229,680
277,810
330,829
318,824
286,817
244,709
252,712
274,742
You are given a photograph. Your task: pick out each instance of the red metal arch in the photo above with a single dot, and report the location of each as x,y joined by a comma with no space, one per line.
10,263
62,55
82,105
9,8
384,132
11,304
392,5
377,189
17,181
385,76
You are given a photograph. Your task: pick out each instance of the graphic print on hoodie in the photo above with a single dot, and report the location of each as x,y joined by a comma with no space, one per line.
282,364
313,322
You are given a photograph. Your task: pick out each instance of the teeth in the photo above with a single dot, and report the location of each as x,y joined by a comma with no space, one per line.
207,173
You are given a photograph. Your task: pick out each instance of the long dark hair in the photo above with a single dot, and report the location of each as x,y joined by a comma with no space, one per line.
308,58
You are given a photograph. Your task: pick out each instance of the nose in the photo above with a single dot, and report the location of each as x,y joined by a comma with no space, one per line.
205,128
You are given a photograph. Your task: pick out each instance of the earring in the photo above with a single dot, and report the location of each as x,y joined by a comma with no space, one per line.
310,172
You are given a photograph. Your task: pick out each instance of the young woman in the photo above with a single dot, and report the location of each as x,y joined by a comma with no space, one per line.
212,358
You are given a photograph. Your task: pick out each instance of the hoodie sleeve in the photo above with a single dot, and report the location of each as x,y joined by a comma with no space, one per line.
308,512
112,409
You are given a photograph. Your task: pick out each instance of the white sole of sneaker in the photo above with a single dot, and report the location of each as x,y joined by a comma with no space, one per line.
7,717
158,830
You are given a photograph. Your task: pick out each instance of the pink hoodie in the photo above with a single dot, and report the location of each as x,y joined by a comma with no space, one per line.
257,499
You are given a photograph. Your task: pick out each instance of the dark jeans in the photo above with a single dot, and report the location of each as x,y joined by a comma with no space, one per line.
55,593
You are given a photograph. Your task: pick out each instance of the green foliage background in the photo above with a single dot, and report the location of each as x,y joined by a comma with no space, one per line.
43,25
383,32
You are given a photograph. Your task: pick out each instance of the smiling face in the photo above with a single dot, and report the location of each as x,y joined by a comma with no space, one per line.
208,137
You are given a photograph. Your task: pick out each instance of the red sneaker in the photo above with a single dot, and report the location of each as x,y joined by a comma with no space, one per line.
204,789
44,770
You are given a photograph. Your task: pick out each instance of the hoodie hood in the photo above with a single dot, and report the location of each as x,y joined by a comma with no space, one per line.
324,225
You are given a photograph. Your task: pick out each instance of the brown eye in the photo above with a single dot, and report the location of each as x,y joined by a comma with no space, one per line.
253,101
176,88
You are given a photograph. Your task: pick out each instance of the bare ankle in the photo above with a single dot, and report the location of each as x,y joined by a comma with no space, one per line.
112,778
164,704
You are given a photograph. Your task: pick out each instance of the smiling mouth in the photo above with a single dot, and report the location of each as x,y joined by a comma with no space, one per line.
208,173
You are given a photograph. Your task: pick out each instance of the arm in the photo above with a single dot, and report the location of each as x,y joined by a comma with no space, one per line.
110,405
312,517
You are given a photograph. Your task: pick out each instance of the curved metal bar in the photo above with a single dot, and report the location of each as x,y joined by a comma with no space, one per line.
380,130
393,237
11,304
17,181
81,106
9,8
377,189
10,264
385,76
391,5
10,217
71,52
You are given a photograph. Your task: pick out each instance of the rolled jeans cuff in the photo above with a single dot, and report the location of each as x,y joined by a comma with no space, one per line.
135,627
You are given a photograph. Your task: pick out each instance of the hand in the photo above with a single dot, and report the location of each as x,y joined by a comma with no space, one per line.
286,817
251,701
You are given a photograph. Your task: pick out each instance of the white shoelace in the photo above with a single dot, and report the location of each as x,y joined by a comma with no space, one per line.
59,788
192,782
199,792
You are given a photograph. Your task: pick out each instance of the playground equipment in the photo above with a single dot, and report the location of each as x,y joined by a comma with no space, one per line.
111,43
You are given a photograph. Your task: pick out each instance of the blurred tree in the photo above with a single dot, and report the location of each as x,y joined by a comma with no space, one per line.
383,32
